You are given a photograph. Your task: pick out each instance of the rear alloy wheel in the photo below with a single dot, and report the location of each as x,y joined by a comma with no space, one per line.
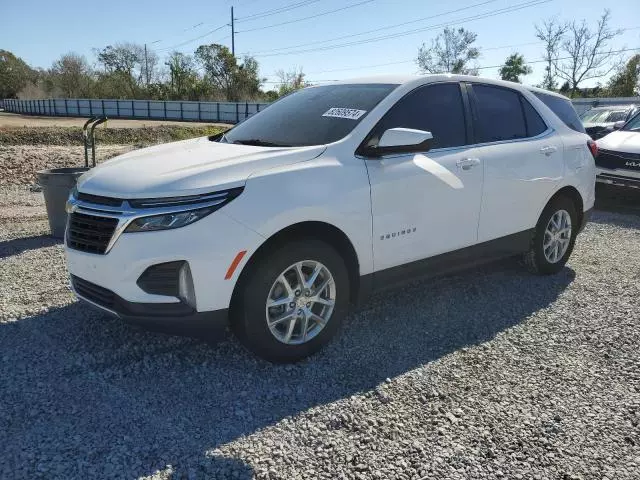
554,237
293,301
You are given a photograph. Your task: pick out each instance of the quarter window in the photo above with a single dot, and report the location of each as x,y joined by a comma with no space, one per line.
535,124
435,108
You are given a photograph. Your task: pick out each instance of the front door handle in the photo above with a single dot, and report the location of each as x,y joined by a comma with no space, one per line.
548,150
468,163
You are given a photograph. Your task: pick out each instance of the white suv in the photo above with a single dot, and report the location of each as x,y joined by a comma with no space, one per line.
332,192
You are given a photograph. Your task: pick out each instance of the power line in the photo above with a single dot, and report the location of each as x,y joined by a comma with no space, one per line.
193,39
493,13
380,28
275,11
307,18
399,62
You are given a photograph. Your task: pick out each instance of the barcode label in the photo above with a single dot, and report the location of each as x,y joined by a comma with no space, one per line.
350,113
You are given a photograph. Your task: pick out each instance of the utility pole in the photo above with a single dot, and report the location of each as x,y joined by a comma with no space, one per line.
146,64
233,35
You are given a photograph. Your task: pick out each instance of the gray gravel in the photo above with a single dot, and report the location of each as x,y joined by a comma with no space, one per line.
491,374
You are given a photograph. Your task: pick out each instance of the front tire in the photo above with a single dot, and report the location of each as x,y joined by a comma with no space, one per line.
554,237
293,301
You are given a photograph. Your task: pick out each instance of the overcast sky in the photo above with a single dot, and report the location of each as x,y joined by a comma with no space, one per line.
365,38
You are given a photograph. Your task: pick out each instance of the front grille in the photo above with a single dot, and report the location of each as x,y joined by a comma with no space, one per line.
615,160
99,295
90,233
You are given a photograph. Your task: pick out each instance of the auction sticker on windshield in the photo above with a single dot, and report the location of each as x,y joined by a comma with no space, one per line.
351,113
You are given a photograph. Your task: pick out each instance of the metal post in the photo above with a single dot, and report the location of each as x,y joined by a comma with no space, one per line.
237,113
78,106
181,112
66,107
164,105
102,102
90,108
148,109
257,107
118,108
217,111
233,35
199,114
133,109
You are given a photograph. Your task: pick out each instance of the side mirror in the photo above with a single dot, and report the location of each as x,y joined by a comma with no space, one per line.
618,125
400,140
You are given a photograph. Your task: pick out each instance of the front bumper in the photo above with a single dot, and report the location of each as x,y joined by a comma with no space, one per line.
174,318
618,180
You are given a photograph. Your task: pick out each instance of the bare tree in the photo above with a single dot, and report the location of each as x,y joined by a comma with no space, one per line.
71,75
551,32
450,52
291,81
589,52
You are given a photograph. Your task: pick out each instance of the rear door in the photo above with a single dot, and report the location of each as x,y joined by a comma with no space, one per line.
522,159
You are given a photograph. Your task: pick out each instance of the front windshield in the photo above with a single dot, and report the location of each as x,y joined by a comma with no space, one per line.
603,115
633,125
312,116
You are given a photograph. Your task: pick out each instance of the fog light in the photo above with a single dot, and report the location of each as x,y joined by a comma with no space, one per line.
186,292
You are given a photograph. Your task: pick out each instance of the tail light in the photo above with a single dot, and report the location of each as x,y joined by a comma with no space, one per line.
593,148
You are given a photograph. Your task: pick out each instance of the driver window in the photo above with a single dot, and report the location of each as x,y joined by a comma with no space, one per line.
436,108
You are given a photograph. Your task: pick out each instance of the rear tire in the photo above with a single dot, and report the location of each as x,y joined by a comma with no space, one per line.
554,237
292,327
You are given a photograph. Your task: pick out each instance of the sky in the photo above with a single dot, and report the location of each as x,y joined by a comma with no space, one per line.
364,37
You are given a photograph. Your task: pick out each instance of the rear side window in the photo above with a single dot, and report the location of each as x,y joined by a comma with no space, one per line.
436,108
500,114
563,108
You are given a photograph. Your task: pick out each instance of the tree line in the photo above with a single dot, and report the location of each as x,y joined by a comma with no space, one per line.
573,53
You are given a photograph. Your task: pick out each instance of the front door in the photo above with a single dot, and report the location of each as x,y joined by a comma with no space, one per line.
424,204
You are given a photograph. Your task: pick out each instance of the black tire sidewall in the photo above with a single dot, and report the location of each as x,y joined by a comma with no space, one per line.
251,322
543,265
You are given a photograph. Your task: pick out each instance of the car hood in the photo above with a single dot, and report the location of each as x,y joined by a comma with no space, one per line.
186,168
621,140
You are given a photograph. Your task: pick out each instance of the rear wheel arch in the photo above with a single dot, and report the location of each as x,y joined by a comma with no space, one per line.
317,230
572,194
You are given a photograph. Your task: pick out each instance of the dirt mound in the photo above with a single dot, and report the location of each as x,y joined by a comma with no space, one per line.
111,136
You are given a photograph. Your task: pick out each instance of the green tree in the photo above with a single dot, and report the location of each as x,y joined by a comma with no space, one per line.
514,66
183,77
15,74
450,52
233,81
626,82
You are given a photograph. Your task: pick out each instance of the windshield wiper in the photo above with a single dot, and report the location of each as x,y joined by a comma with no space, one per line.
259,143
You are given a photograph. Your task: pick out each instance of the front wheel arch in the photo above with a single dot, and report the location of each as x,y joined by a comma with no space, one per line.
322,231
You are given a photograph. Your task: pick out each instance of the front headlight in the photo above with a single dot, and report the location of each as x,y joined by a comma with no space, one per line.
168,221
176,212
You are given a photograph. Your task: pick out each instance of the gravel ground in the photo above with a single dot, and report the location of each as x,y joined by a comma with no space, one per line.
18,163
492,374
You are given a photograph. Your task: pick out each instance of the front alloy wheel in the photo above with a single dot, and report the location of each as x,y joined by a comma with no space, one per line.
291,300
300,302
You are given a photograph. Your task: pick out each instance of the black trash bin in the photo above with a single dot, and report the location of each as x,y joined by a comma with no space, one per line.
56,185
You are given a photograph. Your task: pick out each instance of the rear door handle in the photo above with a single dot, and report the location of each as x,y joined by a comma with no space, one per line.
548,150
468,163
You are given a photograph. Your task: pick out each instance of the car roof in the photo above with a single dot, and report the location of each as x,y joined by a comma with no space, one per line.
417,80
